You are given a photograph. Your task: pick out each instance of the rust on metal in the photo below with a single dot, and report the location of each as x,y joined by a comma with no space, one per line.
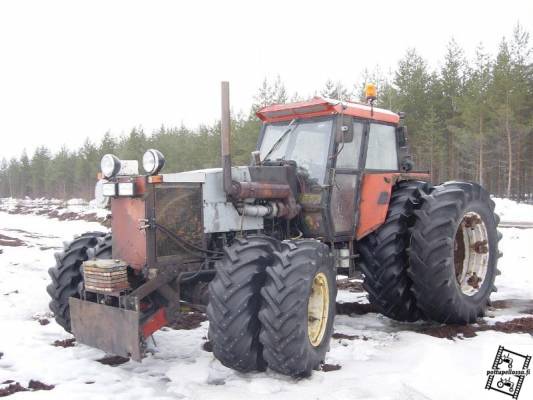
111,329
471,221
288,209
261,190
129,243
481,247
474,280
155,179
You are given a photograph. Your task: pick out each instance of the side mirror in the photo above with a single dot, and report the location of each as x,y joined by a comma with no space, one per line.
401,134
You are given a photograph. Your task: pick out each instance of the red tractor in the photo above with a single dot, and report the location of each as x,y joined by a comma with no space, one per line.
330,188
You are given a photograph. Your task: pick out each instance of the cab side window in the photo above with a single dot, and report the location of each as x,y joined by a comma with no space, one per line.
382,153
349,155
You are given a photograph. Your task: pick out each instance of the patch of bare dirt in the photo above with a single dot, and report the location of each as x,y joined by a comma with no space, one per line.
65,343
523,306
52,211
356,308
330,367
10,241
15,387
12,389
43,321
451,331
517,325
191,320
20,210
113,361
338,335
38,385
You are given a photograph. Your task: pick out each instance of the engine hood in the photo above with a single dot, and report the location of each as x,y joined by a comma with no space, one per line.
241,174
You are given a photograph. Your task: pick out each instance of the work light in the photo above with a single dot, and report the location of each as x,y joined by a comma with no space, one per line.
153,161
110,165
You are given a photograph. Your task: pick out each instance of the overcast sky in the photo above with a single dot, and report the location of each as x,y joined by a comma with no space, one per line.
72,69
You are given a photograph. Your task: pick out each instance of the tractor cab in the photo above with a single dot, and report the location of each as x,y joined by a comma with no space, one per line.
345,153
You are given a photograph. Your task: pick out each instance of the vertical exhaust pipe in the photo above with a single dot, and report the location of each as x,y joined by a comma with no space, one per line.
225,139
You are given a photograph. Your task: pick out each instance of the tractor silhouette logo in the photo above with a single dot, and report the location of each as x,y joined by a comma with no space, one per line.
508,372
506,358
506,383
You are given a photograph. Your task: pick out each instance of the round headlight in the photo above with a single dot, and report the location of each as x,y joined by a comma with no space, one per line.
153,161
110,165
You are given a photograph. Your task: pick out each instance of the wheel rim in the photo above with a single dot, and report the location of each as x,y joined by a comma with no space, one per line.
471,253
318,309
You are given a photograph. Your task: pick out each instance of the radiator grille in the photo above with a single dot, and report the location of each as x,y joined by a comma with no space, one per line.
178,207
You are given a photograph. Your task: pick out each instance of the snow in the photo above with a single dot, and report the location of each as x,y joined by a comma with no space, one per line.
511,211
388,360
60,207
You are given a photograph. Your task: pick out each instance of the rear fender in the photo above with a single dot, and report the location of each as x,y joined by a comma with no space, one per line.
374,202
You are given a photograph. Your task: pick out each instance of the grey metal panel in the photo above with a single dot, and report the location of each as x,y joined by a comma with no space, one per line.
223,217
200,175
113,330
219,214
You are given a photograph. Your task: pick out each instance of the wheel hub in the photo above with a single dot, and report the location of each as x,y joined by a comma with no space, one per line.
318,309
471,253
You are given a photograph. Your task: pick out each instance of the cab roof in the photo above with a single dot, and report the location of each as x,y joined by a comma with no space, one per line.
320,106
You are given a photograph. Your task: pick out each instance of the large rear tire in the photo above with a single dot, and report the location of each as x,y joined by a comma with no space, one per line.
235,300
67,275
298,307
385,254
454,253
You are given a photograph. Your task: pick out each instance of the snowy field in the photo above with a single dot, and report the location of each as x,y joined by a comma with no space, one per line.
379,358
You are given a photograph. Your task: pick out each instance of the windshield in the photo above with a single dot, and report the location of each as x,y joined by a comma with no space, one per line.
307,144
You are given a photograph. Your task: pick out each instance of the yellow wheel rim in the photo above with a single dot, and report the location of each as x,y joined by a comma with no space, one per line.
318,309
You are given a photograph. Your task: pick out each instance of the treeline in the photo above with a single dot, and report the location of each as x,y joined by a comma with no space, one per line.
467,119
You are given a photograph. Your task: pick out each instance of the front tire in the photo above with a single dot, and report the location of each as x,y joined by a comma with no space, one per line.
67,274
234,302
454,253
298,307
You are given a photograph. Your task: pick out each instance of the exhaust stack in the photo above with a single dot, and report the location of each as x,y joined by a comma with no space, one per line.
237,191
225,139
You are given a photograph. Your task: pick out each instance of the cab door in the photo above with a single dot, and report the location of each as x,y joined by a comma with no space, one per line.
346,175
381,168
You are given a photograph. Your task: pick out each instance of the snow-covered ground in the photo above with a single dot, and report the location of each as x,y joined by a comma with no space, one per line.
511,211
385,359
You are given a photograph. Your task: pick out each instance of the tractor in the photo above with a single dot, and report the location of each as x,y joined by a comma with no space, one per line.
330,189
